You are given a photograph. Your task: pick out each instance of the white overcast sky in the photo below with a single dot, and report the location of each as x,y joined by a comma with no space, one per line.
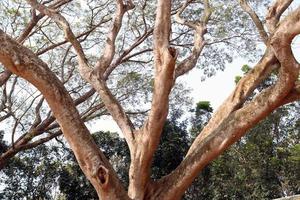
215,89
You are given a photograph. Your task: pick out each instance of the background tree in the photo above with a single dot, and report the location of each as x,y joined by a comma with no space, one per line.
34,35
31,175
260,165
238,173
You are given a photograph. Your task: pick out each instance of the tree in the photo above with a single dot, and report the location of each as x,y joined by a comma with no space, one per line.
74,186
237,173
258,166
203,186
230,121
72,182
31,175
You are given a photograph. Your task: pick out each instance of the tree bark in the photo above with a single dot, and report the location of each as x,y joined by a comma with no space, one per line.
148,137
24,63
229,123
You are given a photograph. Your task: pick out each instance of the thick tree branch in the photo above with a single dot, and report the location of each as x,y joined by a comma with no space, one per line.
95,78
294,94
235,126
275,12
243,90
109,50
259,25
200,29
149,136
26,64
165,57
4,76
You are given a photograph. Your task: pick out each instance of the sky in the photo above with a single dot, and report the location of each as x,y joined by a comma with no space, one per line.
217,88
214,89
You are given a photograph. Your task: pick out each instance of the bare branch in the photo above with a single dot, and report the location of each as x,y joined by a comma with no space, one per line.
115,109
234,126
88,74
38,142
37,129
84,34
275,12
13,151
126,53
83,64
26,64
259,25
36,18
37,119
4,76
180,20
109,50
200,29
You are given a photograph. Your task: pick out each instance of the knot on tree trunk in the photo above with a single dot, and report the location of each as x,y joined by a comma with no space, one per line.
103,176
173,52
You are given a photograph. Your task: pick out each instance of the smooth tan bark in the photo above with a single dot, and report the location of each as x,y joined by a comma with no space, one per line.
26,64
235,125
229,123
147,138
200,29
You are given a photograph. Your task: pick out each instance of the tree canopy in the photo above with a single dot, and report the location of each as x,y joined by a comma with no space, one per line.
67,63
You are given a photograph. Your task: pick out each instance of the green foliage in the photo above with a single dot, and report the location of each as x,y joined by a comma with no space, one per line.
131,77
262,165
203,106
31,175
74,185
202,114
265,164
295,153
72,182
174,141
237,79
246,69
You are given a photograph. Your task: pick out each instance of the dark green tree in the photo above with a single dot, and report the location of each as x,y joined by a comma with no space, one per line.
173,146
72,182
202,186
31,175
262,165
